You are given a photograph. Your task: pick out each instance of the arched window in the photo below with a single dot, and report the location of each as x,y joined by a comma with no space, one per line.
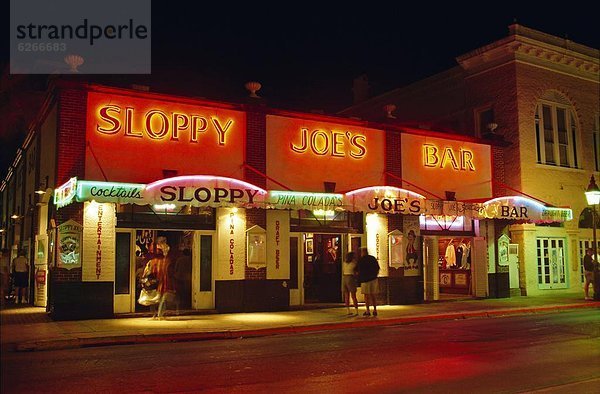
556,131
586,219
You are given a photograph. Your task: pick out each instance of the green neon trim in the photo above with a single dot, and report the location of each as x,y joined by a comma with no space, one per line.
84,192
61,200
276,193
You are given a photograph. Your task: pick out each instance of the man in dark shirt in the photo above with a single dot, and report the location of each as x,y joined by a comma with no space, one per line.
588,271
368,269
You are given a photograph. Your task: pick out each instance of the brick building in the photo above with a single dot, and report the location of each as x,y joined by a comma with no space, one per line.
540,94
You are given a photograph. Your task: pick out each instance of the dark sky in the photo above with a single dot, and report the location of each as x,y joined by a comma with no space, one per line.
307,54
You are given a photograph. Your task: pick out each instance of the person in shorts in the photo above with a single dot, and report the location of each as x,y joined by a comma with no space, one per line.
368,269
349,274
20,271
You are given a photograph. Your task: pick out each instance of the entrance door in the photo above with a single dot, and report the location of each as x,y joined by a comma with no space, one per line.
203,271
124,278
323,254
551,263
513,265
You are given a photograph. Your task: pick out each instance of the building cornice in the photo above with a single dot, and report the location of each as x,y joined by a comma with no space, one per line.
536,48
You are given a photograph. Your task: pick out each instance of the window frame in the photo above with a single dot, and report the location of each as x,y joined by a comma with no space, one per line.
478,112
570,128
596,141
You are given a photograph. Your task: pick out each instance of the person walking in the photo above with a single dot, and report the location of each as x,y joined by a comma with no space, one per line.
349,273
588,271
165,273
368,269
20,271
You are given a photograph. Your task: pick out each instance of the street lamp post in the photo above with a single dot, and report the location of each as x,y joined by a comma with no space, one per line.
592,194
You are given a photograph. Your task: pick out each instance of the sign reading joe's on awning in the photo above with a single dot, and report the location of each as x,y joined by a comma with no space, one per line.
386,199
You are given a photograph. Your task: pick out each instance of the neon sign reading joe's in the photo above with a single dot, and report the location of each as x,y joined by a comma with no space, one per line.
330,143
159,125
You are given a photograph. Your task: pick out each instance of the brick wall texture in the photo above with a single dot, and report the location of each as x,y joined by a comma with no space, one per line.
72,106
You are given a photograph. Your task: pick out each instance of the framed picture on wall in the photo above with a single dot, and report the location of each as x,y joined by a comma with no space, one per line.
309,246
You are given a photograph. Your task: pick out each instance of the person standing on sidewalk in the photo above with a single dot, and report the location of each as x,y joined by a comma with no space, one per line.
349,281
20,271
368,269
588,270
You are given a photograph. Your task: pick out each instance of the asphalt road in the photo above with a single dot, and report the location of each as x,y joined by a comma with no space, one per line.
557,352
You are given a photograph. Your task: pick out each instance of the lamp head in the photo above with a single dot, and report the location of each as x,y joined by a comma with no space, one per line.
592,194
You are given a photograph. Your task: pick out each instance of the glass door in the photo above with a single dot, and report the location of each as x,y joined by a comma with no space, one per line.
124,301
551,263
203,271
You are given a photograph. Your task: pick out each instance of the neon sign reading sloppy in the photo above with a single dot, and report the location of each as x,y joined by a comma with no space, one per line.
331,143
460,161
159,125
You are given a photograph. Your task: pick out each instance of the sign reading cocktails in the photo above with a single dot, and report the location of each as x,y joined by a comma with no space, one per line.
124,193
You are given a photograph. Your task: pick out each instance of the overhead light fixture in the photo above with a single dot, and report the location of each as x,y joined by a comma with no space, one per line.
40,191
14,216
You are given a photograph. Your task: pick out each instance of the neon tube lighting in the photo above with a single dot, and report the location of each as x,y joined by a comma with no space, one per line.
301,194
204,178
390,188
525,199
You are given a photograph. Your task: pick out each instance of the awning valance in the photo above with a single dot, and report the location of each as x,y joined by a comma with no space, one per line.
217,191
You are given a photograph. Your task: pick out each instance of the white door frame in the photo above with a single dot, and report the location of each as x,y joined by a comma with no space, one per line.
203,299
125,303
297,295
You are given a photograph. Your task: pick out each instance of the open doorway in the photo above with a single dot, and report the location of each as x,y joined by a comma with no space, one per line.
454,264
179,271
323,254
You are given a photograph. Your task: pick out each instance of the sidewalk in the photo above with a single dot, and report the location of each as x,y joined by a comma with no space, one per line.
25,328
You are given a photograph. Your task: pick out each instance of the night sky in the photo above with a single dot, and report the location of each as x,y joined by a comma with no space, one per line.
307,54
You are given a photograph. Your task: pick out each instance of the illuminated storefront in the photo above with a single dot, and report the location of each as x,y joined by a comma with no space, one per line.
259,206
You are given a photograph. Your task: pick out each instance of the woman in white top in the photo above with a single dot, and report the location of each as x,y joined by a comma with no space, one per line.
349,281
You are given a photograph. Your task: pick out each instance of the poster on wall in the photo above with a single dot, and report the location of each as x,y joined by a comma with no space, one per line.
396,245
231,252
257,247
99,234
377,237
278,242
412,248
69,245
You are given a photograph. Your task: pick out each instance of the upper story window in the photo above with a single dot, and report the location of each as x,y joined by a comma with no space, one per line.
596,142
556,131
484,117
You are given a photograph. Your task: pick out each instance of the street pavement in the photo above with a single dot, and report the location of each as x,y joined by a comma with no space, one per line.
26,328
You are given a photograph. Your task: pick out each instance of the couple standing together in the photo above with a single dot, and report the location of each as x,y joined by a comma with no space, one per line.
365,271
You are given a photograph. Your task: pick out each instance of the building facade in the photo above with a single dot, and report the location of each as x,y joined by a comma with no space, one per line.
258,206
540,94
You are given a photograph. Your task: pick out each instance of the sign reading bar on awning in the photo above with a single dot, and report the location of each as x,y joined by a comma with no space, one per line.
386,199
522,208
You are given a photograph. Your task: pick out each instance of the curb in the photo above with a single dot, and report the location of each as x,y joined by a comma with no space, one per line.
74,343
